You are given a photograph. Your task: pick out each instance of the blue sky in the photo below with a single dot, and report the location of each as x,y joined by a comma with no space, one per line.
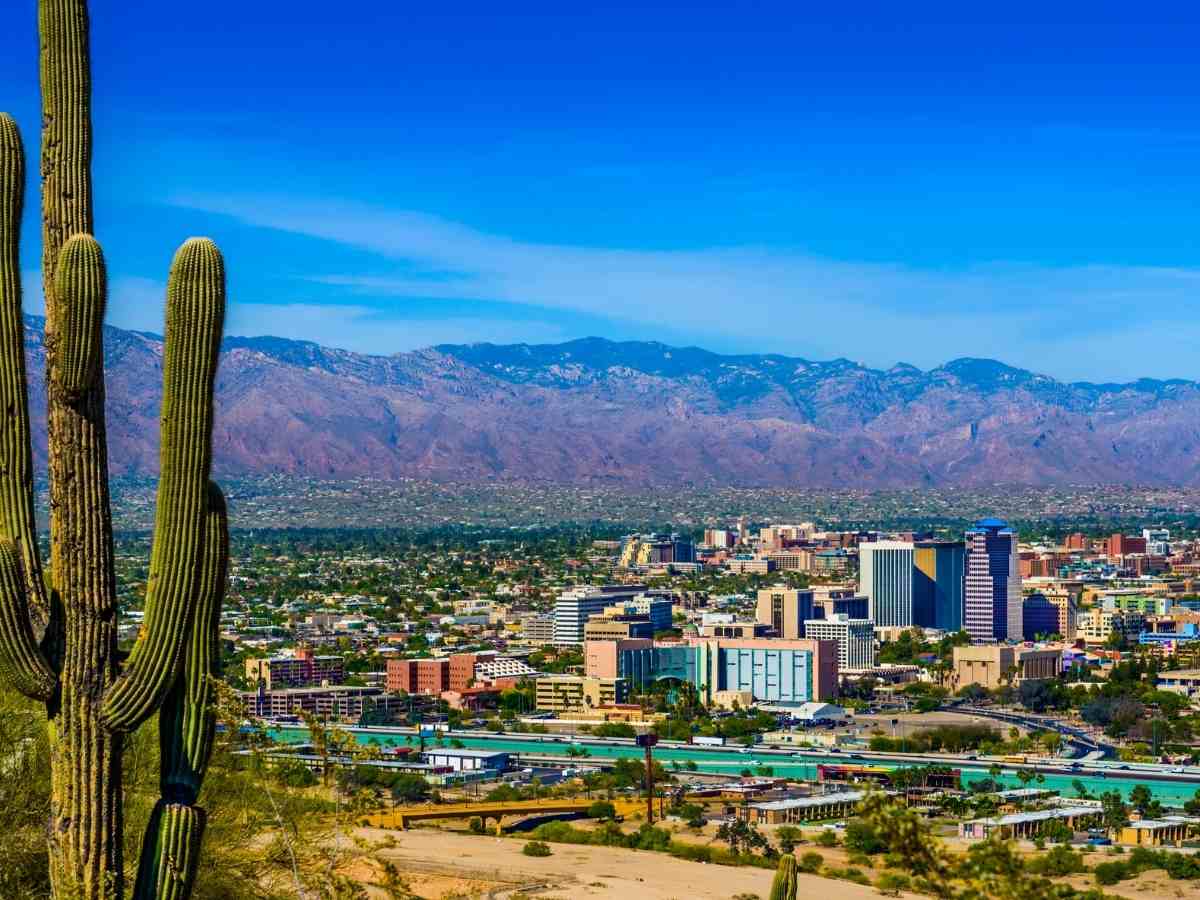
744,177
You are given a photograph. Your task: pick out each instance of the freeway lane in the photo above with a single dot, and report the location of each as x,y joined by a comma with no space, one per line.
1170,788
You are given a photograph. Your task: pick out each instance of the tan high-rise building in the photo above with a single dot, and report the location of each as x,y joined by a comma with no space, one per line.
785,610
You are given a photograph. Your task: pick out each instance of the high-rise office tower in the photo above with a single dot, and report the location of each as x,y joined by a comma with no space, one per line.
785,610
938,592
992,607
885,575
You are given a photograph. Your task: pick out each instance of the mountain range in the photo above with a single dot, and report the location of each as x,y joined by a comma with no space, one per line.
641,414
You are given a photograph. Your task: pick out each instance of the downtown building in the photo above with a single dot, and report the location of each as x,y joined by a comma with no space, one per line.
855,639
574,607
770,670
785,610
939,573
992,603
885,576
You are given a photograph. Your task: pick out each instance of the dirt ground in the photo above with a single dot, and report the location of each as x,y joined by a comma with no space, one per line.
440,864
1152,885
909,723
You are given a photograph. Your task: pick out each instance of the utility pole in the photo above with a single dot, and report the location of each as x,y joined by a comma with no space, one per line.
647,741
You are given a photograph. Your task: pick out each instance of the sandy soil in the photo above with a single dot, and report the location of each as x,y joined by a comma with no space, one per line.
497,868
1153,885
909,723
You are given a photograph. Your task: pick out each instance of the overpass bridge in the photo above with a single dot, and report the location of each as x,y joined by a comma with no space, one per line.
492,811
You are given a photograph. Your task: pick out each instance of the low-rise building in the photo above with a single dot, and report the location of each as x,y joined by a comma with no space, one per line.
1030,824
993,665
419,676
354,705
801,809
559,693
750,565
303,669
1096,625
463,760
739,630
1169,831
1180,681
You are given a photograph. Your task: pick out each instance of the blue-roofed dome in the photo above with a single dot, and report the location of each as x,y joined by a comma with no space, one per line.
991,525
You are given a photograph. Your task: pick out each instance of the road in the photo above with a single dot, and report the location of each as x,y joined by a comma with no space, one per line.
1171,785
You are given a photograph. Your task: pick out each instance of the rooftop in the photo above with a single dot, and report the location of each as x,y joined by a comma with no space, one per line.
1061,812
808,802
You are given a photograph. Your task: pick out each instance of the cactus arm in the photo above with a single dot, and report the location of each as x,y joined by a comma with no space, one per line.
186,726
16,455
195,316
80,288
21,662
187,722
784,885
167,868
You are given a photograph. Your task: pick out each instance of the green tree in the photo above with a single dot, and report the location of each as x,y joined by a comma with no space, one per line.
1115,812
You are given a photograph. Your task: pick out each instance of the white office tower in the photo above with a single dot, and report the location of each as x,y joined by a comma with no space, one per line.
855,639
575,606
885,575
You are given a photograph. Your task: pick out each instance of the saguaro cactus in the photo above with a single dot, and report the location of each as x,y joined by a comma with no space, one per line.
58,640
784,885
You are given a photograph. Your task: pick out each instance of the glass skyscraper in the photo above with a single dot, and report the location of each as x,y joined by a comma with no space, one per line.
938,592
992,608
885,575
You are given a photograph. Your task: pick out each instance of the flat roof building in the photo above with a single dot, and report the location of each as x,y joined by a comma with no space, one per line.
855,639
785,610
993,665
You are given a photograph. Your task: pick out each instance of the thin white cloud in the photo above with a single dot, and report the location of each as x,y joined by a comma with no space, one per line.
361,329
766,299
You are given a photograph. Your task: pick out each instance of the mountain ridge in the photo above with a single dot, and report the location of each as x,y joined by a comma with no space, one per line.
644,413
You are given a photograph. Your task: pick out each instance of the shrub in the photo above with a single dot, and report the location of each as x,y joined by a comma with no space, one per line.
826,838
609,834
1111,872
602,809
892,883
561,833
789,836
850,874
536,848
650,838
1180,865
862,838
691,852
810,862
475,824
1058,862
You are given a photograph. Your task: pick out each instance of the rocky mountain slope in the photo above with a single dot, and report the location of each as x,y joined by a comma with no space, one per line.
594,411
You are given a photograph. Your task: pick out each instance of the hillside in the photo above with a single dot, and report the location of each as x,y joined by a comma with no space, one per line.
639,413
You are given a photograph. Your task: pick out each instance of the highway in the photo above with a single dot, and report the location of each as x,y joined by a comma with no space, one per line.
1076,738
1170,784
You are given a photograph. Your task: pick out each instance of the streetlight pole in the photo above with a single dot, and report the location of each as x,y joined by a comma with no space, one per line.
647,741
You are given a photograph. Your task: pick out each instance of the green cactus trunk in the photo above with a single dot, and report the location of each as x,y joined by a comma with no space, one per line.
784,885
58,640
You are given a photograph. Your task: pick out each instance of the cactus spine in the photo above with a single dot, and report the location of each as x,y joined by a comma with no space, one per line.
58,639
784,885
